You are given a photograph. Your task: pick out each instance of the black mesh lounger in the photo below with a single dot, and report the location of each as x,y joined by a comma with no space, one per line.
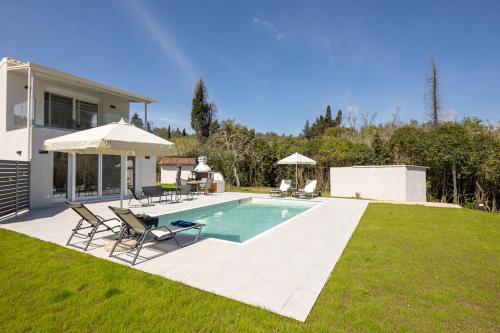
93,221
134,223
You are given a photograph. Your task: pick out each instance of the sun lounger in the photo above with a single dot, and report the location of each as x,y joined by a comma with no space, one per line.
133,223
284,188
309,190
93,223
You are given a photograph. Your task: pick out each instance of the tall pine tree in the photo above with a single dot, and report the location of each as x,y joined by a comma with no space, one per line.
202,112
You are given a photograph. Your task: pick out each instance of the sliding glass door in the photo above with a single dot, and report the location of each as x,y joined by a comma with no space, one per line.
110,175
60,176
95,176
87,168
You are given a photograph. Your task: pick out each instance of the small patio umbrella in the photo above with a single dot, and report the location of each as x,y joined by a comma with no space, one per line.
119,138
297,159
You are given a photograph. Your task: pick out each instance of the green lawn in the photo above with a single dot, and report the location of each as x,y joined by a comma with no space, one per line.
407,268
253,189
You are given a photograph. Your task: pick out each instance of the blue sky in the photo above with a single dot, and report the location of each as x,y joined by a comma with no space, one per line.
270,64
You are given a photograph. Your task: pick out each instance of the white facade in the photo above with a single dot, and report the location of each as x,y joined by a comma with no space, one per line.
23,124
404,183
169,173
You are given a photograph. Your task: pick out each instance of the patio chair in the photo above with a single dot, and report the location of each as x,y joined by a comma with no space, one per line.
284,188
184,188
152,191
144,232
93,221
206,185
309,189
138,197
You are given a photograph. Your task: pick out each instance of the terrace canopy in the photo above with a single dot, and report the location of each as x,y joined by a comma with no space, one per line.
297,159
119,138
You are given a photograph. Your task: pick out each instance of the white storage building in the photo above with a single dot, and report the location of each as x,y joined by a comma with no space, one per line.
170,164
404,183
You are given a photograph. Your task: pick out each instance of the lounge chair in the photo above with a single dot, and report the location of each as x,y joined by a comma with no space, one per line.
309,190
144,232
93,221
184,188
284,188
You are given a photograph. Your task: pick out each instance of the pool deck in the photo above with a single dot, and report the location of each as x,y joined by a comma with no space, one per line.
282,270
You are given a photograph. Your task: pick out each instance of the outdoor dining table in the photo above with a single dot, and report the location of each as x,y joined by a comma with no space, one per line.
194,184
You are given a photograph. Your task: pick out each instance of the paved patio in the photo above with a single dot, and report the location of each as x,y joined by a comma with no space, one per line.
283,270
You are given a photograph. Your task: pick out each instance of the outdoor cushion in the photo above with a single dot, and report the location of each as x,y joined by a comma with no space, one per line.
311,187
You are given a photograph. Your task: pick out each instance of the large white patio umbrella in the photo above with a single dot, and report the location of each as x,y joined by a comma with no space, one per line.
119,138
297,159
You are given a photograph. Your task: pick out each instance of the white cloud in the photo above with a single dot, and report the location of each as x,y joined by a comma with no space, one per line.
257,22
352,109
162,37
449,115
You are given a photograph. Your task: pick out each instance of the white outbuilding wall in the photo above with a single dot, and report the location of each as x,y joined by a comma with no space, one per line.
393,182
169,173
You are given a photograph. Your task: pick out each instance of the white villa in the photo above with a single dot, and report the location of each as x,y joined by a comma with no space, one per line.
39,103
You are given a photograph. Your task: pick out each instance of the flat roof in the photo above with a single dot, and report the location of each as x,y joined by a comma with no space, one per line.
13,64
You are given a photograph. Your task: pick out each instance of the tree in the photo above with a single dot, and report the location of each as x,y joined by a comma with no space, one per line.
338,119
169,133
379,149
184,132
328,117
433,96
202,112
408,146
137,121
238,140
307,130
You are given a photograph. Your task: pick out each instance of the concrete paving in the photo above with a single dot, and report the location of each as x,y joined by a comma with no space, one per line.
282,270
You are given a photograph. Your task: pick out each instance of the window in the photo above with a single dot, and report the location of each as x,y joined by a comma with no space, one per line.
18,117
58,111
60,176
86,115
67,112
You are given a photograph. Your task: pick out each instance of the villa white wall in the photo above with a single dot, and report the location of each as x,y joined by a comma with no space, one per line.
12,92
394,183
169,173
42,168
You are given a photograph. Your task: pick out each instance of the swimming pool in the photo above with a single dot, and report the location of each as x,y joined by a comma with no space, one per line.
240,220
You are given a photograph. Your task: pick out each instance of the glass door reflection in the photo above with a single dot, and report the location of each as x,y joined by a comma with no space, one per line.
110,175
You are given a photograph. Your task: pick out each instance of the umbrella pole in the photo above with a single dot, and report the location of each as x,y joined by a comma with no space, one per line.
123,177
296,178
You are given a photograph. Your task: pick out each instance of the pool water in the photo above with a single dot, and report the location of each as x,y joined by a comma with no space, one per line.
239,220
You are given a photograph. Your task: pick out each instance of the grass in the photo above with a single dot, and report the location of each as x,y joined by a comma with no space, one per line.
406,268
167,186
253,189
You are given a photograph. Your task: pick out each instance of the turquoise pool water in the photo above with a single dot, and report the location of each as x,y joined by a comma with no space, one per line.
238,221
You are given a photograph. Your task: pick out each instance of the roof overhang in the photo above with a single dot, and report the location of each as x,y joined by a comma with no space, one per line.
76,80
